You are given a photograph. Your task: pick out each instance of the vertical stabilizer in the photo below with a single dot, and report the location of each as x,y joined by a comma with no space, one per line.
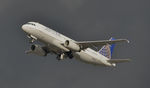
107,50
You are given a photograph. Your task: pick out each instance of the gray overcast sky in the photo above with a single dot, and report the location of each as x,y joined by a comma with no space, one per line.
80,20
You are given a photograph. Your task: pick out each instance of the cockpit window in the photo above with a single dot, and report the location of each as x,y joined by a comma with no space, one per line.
31,24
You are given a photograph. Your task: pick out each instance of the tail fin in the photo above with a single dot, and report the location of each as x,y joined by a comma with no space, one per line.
107,50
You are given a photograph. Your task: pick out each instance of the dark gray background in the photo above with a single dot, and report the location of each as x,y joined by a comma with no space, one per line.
80,20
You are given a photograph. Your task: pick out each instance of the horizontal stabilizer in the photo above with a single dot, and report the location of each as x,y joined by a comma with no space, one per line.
118,60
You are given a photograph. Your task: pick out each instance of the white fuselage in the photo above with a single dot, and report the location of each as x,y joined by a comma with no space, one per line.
53,40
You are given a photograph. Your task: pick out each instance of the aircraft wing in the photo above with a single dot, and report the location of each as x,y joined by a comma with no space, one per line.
86,44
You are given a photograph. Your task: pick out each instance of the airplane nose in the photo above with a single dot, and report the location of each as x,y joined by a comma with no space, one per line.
27,28
24,27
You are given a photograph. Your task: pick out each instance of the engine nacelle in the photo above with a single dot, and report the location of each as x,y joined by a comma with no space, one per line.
72,46
38,50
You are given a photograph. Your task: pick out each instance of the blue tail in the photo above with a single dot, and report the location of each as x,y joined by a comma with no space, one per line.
107,50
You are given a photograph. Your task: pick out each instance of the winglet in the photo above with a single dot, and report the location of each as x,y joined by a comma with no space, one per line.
127,41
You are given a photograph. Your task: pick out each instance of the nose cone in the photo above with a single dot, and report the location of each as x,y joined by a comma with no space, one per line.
24,28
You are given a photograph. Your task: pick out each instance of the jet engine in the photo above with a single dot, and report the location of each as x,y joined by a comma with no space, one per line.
38,50
72,46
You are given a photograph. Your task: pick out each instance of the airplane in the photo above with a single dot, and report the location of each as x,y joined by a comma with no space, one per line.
65,47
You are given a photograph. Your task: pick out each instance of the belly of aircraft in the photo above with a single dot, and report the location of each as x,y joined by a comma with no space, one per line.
83,56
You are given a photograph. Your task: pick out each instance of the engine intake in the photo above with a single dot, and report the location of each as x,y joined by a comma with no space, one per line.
72,46
38,50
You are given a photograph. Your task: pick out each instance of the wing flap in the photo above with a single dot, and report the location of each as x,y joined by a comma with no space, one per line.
119,60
